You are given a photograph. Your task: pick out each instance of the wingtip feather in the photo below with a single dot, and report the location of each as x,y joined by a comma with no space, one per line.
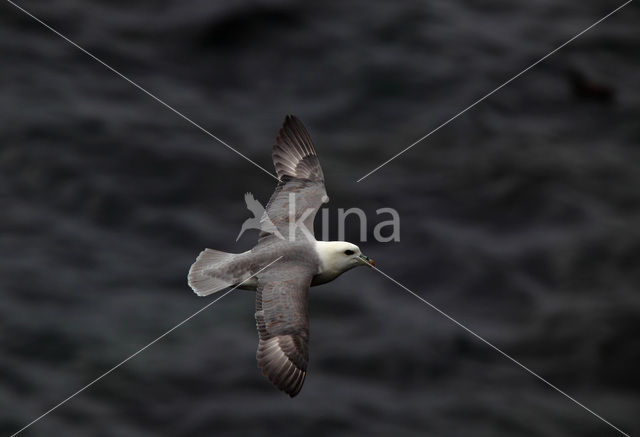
293,153
279,368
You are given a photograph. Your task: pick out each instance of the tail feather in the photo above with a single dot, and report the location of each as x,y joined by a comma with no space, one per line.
209,274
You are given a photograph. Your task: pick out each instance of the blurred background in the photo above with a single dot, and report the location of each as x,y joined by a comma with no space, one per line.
519,219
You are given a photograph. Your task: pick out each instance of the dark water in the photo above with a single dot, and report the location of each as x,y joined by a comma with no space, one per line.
520,219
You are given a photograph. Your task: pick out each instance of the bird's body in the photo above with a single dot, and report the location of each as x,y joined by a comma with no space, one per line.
302,261
318,252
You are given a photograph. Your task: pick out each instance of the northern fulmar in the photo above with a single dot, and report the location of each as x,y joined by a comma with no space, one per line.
286,231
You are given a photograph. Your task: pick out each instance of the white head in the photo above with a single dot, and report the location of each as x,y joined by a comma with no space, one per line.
337,257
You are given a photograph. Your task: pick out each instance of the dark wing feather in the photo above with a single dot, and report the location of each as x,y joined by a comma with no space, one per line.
301,179
294,154
283,324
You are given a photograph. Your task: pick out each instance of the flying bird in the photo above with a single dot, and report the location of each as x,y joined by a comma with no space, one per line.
282,288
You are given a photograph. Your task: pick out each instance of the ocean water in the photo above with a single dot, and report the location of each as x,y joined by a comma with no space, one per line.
520,219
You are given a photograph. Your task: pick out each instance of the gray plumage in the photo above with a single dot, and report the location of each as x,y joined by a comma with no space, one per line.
301,179
282,288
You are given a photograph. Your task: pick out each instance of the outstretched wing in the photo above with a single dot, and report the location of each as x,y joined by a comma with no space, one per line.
283,324
294,154
300,191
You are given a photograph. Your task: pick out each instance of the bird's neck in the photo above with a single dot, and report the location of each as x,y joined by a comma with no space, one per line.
329,266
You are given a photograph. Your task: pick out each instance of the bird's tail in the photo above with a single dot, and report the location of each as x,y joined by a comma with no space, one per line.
214,271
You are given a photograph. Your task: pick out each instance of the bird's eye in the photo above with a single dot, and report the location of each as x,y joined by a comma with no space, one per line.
349,252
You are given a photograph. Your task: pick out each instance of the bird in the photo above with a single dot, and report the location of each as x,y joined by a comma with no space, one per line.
282,287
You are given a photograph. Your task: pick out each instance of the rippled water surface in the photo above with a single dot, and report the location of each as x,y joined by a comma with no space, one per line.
519,219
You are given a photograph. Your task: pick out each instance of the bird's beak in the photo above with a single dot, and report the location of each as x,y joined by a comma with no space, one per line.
366,260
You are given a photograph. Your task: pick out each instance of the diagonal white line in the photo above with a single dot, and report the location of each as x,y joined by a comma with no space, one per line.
153,96
138,352
504,354
494,91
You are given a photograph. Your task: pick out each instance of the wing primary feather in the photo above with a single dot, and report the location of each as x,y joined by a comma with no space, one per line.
294,154
283,325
